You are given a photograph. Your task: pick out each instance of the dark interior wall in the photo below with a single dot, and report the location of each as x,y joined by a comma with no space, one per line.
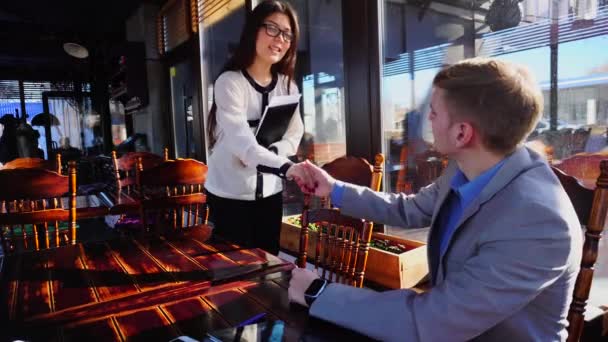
362,78
33,32
152,119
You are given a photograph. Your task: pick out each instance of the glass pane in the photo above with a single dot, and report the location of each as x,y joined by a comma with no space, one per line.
417,42
119,127
74,125
320,78
182,88
79,127
219,36
582,96
546,36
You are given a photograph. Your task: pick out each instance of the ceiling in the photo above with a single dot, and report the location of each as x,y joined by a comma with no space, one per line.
87,16
32,32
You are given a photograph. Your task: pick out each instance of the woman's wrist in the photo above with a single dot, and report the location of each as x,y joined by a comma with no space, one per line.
284,168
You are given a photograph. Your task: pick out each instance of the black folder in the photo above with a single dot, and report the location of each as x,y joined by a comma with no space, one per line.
274,123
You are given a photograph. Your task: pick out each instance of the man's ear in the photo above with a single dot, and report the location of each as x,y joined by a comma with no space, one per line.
465,135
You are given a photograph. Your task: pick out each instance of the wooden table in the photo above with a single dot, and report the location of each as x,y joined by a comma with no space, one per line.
147,288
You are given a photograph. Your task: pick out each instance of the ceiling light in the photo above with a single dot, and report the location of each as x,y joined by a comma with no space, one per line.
76,50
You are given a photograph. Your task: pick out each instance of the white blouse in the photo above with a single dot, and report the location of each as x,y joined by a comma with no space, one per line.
233,160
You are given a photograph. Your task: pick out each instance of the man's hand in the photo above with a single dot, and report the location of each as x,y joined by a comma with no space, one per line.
311,179
301,279
322,181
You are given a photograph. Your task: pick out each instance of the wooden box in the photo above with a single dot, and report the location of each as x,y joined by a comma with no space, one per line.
395,271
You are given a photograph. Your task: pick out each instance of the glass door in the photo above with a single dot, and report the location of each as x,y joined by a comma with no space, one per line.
185,111
74,127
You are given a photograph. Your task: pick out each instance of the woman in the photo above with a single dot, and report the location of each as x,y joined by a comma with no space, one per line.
244,183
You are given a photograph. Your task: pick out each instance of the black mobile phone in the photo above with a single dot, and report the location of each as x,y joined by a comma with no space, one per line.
260,332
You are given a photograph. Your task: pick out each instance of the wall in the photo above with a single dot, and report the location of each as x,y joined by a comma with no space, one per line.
152,120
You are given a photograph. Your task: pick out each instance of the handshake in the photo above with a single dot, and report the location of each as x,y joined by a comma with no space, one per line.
311,179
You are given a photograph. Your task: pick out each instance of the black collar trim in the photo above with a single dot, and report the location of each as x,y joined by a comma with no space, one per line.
259,88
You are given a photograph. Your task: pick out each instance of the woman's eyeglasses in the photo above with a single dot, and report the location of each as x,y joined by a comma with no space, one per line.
273,31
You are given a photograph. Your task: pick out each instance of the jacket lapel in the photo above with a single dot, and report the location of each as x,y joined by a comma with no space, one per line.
432,250
515,164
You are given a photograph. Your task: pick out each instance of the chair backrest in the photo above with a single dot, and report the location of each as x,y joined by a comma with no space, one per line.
36,163
583,166
124,167
342,245
353,170
591,206
174,191
357,171
429,166
30,200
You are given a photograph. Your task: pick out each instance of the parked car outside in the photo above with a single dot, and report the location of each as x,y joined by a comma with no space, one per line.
543,125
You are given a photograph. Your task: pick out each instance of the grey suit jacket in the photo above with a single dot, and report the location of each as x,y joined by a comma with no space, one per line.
508,272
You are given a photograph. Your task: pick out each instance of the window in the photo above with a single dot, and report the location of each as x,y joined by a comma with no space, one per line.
419,39
417,42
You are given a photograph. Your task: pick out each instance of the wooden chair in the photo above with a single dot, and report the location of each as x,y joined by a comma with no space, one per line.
124,167
357,171
427,167
343,244
29,163
585,167
174,191
31,199
591,207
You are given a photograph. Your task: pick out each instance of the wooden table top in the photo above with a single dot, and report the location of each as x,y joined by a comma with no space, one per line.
145,288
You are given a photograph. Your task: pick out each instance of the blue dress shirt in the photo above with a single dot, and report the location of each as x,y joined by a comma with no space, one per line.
462,193
336,194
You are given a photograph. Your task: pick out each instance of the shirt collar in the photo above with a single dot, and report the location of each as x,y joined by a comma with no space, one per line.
469,190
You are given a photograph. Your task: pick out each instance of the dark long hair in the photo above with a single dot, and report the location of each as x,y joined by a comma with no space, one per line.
245,53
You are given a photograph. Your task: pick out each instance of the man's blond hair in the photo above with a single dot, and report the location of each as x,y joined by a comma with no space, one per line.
500,99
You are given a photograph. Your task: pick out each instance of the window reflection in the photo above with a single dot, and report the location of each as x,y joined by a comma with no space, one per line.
320,77
418,40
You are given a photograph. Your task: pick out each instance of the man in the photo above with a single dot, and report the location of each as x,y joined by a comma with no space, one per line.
505,243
